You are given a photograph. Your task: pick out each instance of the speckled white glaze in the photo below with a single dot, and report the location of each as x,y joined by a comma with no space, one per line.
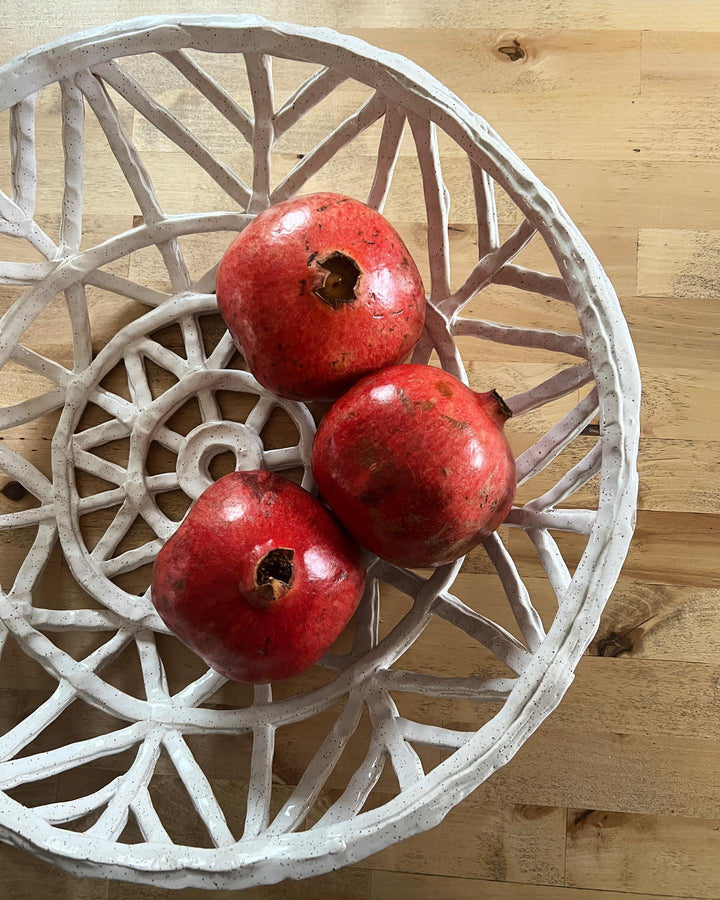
543,663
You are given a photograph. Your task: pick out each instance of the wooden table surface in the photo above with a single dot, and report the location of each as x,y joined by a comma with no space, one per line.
615,105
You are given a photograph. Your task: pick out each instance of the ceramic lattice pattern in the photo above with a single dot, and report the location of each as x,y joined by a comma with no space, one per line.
278,839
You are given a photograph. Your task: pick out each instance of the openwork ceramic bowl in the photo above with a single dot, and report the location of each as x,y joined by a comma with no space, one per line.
586,376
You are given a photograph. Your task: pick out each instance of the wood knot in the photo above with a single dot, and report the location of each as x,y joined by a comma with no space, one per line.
14,491
512,51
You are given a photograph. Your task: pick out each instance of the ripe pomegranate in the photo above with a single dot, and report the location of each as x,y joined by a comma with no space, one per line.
258,579
416,465
317,292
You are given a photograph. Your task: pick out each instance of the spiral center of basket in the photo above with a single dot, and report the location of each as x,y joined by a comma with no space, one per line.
207,441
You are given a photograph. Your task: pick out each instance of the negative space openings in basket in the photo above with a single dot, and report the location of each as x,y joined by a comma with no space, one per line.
363,675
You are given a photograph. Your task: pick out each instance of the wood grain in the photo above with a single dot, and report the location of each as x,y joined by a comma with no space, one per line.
615,106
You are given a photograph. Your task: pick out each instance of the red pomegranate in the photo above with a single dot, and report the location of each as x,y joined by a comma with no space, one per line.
258,579
416,465
317,292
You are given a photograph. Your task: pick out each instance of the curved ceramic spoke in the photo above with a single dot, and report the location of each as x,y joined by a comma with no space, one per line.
165,481
152,668
285,458
558,341
312,162
134,171
388,152
108,281
114,818
163,357
74,619
27,410
34,563
148,820
23,273
199,789
544,451
30,478
76,300
257,814
564,382
526,615
22,155
115,406
69,810
433,735
318,771
404,759
209,88
131,559
534,282
14,772
499,641
13,741
450,688
485,210
571,481
198,691
169,439
485,269
100,434
436,207
103,500
103,468
26,517
260,413
552,561
167,124
359,788
223,353
73,124
579,521
48,368
311,92
137,380
259,72
367,619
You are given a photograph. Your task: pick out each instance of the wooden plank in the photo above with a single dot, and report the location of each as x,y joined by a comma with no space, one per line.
347,884
26,877
603,15
675,263
634,193
506,842
525,61
678,63
668,329
405,886
588,767
660,621
661,854
667,548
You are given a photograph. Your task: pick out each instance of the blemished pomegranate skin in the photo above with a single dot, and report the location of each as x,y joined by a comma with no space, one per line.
318,292
259,579
416,465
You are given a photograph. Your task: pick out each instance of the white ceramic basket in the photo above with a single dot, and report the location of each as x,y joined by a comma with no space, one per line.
605,379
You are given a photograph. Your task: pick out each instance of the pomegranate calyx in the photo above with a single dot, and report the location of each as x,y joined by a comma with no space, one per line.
273,575
339,284
503,410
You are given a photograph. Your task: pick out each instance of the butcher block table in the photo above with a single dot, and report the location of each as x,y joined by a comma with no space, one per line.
615,105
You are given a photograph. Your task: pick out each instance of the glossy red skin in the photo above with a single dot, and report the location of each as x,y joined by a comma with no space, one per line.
203,578
296,344
415,465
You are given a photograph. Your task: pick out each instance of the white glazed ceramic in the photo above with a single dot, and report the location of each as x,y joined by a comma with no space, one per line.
605,377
